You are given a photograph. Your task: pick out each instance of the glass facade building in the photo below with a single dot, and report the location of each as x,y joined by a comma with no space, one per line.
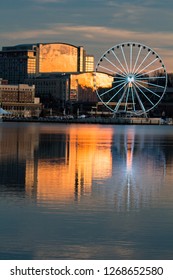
58,57
21,62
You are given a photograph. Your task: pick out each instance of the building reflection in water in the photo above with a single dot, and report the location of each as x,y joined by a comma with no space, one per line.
63,163
17,147
70,176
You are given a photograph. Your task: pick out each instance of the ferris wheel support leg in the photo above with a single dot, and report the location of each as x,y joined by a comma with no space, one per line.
144,114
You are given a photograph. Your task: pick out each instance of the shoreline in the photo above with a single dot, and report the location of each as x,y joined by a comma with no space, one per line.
95,120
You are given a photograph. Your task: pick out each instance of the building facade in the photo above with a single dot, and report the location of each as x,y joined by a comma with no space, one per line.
18,63
19,99
52,89
89,63
49,67
21,62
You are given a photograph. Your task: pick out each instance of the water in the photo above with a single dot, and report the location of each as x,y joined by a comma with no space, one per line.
86,191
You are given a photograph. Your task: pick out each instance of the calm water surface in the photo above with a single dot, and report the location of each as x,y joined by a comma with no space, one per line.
86,191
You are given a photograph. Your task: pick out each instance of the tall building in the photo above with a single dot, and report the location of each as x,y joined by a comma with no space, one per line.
18,63
59,58
21,62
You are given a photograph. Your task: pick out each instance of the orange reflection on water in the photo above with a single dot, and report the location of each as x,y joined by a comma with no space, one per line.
88,157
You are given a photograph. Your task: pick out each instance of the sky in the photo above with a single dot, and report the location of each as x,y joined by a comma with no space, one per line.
97,25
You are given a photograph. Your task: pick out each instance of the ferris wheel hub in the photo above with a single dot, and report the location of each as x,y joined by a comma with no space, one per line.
130,78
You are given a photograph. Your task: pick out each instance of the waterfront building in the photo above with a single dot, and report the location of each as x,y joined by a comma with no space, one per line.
21,62
73,87
50,67
52,89
82,85
19,99
60,58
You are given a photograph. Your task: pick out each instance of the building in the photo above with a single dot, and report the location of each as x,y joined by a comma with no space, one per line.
21,62
18,63
89,63
60,58
48,66
52,89
82,87
19,99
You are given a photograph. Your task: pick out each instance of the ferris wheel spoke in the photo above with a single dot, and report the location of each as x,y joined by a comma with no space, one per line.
136,70
133,99
115,94
153,70
115,66
127,97
151,78
123,78
116,82
119,61
131,55
148,65
144,94
137,58
111,71
139,100
140,85
148,83
120,100
125,59
123,83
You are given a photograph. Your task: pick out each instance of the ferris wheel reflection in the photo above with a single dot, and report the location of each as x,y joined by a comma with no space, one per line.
142,167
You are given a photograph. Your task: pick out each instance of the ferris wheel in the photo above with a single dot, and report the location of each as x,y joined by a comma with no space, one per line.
138,78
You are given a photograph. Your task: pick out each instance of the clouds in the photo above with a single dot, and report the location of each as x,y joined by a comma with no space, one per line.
100,34
95,24
96,39
139,15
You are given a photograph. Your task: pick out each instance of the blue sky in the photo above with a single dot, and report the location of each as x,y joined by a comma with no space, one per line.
95,24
